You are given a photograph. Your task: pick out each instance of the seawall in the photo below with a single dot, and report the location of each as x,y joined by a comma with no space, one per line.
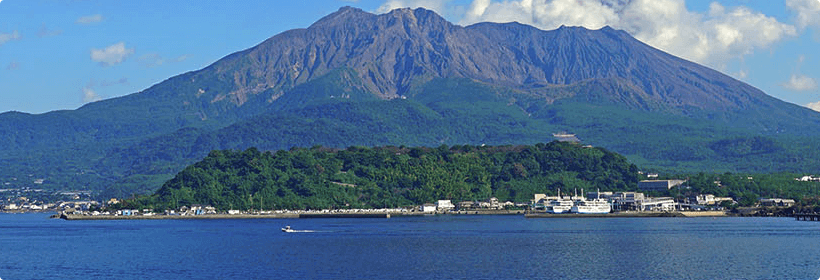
632,214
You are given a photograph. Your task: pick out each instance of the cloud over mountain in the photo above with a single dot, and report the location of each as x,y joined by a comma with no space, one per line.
711,38
799,82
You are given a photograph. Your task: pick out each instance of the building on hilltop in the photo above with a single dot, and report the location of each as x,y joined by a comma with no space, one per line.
659,185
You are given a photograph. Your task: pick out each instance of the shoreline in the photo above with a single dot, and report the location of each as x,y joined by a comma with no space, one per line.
387,215
634,215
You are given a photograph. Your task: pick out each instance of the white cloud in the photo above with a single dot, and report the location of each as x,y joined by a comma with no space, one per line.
712,38
807,12
436,5
111,55
814,106
89,95
799,82
90,19
6,37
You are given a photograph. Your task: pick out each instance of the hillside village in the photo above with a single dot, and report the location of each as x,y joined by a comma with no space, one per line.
80,202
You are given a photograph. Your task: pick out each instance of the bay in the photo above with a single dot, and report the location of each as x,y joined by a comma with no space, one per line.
449,247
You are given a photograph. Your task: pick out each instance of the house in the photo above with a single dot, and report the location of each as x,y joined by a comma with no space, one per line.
233,212
494,203
776,202
657,204
466,205
708,199
445,205
428,207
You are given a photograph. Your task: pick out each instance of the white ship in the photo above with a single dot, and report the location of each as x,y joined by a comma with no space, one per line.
595,206
562,205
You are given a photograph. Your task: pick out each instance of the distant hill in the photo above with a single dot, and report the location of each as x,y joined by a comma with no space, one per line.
409,77
388,177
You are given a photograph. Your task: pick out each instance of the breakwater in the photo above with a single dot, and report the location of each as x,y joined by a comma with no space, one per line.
807,217
631,215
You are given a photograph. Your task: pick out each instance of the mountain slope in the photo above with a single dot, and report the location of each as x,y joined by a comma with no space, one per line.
410,77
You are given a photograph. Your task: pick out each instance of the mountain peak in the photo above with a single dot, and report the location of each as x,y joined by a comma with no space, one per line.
346,14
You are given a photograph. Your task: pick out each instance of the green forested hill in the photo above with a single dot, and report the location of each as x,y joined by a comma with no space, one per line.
359,177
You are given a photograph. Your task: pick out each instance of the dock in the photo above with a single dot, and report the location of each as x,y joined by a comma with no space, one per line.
631,214
807,217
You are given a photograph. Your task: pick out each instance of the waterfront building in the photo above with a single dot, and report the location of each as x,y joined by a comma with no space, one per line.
657,204
708,199
445,205
464,205
625,200
777,202
428,207
537,198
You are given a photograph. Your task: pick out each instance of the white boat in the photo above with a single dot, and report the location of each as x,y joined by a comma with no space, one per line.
595,206
562,205
559,206
287,229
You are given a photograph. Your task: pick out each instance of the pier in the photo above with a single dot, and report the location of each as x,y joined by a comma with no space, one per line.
807,217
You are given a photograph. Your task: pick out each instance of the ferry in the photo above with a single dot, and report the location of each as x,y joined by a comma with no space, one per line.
562,205
559,206
595,206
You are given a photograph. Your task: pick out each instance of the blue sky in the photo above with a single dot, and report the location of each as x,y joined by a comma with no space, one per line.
58,55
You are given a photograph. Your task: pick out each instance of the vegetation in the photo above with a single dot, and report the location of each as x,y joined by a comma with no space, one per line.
358,177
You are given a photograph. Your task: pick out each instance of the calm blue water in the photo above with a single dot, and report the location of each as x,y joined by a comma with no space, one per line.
450,247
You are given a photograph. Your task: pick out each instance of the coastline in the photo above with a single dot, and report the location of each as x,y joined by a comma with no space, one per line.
387,215
633,215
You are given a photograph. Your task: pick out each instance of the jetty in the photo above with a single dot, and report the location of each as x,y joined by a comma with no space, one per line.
807,217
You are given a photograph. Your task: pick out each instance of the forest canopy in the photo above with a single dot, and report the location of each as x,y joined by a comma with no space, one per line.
385,177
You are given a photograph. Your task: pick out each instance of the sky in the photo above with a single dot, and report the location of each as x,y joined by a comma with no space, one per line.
62,54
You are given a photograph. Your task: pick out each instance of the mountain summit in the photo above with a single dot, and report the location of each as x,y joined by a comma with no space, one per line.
392,52
409,77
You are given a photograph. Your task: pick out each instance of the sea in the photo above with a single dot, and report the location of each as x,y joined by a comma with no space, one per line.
32,246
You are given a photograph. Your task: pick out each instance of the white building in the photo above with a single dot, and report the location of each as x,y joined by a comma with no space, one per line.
445,205
657,204
709,199
428,207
